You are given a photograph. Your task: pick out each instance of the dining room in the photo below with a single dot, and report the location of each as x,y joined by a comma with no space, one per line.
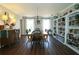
39,29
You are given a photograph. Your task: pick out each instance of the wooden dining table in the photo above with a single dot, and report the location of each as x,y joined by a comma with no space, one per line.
37,39
37,36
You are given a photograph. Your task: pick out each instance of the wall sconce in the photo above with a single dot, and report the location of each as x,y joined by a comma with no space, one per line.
5,17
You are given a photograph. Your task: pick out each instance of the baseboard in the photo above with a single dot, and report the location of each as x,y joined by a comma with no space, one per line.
74,49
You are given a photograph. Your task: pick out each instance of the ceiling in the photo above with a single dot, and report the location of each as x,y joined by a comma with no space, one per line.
30,9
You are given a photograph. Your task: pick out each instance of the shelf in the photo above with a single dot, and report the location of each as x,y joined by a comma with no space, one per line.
61,22
60,35
54,27
73,13
73,27
70,14
61,17
61,26
72,20
58,39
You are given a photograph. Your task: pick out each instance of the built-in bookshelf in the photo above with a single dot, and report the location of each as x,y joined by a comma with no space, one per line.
54,27
73,30
61,29
66,29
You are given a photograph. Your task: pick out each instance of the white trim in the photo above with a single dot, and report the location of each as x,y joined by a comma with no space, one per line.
73,27
67,7
74,49
58,40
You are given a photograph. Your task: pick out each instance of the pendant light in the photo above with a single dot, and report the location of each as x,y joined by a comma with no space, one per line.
38,21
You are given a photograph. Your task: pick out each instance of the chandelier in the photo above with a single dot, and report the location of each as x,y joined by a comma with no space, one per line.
37,18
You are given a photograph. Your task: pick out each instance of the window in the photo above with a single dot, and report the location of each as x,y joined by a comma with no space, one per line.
46,25
30,25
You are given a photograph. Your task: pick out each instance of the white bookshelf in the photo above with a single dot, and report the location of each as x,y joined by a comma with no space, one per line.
60,29
64,28
54,27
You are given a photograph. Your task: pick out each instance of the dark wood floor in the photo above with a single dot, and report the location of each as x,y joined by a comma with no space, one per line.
53,48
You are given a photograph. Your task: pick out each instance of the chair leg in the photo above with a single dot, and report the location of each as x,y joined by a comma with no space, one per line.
31,43
48,44
1,46
43,43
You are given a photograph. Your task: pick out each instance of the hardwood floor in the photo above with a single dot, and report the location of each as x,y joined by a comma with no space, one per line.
54,47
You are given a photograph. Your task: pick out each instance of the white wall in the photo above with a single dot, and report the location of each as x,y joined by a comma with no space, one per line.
17,26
